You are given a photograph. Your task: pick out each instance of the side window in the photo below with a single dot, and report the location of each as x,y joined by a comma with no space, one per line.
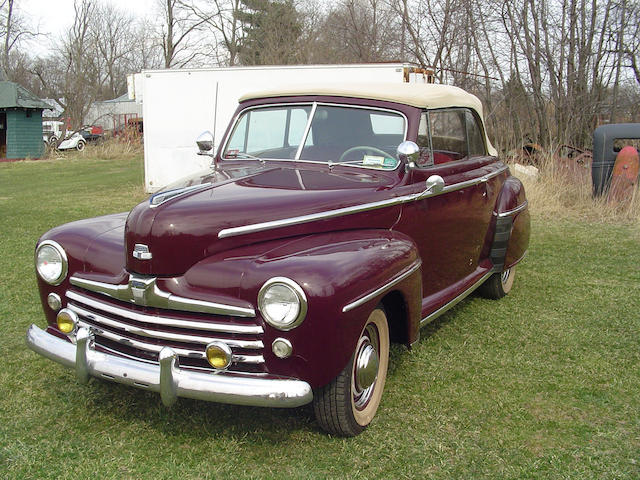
455,134
448,135
474,134
425,159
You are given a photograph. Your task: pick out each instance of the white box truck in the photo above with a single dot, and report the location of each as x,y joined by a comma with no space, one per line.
178,105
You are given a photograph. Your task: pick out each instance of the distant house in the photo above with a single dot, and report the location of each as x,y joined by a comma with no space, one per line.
20,122
115,114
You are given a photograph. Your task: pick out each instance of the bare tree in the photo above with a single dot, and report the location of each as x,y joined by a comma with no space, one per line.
82,74
112,41
145,52
432,27
222,27
179,32
360,31
546,70
630,31
14,29
71,76
558,58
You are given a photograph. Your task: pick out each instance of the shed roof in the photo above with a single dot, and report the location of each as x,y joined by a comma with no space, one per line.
13,95
121,99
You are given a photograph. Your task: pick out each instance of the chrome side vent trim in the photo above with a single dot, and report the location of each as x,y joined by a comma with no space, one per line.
159,198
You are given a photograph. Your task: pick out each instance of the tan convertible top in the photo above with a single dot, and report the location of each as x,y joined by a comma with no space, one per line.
419,95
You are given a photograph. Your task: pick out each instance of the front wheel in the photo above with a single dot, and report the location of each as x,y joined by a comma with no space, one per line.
499,284
347,405
80,146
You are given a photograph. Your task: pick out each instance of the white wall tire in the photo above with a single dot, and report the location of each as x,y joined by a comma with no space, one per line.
348,404
499,284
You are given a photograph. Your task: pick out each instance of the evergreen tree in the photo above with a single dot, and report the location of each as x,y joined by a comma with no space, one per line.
272,31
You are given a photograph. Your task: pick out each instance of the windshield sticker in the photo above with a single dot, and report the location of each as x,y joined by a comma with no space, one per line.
377,161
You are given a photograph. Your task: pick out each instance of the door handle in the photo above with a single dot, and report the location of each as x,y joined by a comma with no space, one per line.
435,184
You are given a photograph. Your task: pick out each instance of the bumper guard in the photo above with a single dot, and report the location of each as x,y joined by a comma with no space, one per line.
166,378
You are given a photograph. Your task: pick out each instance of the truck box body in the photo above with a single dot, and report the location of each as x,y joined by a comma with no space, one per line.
178,105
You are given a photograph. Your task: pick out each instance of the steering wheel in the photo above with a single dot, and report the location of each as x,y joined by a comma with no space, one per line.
364,148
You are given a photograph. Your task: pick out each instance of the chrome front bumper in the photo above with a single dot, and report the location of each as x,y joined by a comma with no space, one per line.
166,378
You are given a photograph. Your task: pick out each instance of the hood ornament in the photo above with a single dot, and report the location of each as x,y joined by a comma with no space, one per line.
141,252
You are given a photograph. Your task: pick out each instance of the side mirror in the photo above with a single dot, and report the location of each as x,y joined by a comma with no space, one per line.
410,151
205,144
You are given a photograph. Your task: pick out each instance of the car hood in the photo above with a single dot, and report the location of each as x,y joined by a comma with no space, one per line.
180,226
93,245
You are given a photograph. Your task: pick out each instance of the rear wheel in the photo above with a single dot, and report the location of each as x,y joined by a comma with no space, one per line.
347,405
499,284
80,146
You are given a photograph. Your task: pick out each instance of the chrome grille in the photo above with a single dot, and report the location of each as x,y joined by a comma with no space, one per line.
141,332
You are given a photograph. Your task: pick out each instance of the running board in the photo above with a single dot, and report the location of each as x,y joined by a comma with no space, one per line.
455,301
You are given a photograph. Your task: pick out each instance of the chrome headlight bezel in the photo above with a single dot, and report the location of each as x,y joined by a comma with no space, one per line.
56,247
297,292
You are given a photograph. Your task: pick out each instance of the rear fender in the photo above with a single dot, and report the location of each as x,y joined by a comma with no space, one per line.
511,226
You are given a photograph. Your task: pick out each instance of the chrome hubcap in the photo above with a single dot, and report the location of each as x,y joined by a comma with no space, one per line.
365,367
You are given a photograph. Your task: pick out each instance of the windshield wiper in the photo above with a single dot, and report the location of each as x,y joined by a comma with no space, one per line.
245,155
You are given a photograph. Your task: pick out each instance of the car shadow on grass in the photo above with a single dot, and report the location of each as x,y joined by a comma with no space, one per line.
195,418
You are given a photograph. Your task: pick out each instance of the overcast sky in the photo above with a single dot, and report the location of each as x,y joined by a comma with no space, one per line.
56,16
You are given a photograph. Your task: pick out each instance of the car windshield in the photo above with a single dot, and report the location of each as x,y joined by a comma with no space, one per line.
336,134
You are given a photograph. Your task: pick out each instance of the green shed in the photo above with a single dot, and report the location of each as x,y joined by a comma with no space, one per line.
20,122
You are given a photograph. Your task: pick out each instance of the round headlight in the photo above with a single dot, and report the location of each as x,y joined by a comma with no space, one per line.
51,262
282,303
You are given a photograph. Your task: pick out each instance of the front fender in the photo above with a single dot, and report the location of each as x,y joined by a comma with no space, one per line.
335,270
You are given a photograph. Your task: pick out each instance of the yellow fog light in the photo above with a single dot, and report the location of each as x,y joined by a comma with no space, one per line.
282,348
67,321
218,355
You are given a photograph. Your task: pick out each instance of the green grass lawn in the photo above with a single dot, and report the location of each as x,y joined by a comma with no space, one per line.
542,384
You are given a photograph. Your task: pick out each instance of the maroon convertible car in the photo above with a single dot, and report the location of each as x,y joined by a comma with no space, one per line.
333,221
